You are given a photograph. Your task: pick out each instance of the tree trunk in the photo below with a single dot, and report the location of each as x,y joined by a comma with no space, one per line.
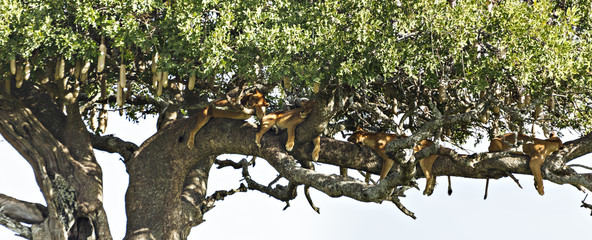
168,181
63,163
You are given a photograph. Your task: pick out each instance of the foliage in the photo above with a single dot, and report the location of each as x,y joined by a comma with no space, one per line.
423,58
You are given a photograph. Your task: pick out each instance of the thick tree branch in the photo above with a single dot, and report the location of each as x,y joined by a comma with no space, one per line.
15,226
577,148
22,211
481,165
112,144
165,155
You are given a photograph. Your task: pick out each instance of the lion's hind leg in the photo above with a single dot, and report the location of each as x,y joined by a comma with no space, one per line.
426,167
202,119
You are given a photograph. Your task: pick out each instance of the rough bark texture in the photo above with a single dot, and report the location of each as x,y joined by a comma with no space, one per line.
166,196
58,148
161,171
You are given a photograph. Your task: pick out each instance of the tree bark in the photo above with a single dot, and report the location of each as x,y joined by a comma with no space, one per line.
63,163
167,179
166,196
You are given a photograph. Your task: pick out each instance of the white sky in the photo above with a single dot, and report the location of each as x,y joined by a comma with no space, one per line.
509,212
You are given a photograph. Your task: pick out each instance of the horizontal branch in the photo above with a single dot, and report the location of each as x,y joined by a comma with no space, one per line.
481,165
15,226
208,203
13,212
168,152
282,193
22,211
112,144
332,185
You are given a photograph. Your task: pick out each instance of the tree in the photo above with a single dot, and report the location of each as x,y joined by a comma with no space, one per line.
444,71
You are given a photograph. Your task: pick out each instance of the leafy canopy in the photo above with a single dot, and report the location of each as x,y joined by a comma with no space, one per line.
422,58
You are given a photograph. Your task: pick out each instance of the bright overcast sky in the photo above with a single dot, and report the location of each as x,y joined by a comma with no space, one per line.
508,213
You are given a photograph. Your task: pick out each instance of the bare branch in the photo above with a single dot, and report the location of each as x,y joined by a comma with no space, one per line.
22,211
14,211
309,199
274,181
227,163
580,165
219,195
579,181
112,144
282,193
586,205
514,178
15,226
400,192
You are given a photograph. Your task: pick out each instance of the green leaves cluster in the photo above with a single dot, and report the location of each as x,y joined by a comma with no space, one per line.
541,48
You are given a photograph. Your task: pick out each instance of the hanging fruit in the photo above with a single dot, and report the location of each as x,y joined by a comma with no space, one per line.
164,79
551,104
62,68
315,87
159,90
45,78
12,66
102,54
84,71
77,67
527,99
103,90
27,71
94,121
122,77
191,83
520,101
287,83
537,111
484,117
19,77
154,65
56,73
395,106
496,109
103,116
119,96
443,96
156,79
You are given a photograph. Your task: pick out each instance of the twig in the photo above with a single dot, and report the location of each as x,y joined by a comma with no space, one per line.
580,165
227,163
394,197
252,162
274,181
235,165
367,176
309,199
208,203
221,194
586,205
287,205
486,188
403,209
513,178
15,226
